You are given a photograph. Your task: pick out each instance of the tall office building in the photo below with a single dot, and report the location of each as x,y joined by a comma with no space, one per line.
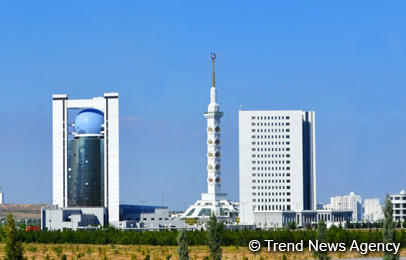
86,153
347,202
277,161
372,210
214,201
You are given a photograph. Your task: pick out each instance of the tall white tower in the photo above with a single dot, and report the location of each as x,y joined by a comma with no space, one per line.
213,202
213,116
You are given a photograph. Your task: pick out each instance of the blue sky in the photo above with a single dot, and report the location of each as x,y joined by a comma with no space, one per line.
343,59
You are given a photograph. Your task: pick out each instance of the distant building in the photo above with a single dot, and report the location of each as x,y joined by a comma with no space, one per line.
350,202
1,198
138,217
302,218
399,205
372,210
277,163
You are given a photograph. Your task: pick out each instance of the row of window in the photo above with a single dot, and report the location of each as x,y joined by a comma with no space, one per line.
271,124
271,155
270,162
399,205
270,117
398,198
271,187
270,168
271,136
154,219
270,207
271,149
399,211
280,130
270,174
271,143
271,181
271,200
271,193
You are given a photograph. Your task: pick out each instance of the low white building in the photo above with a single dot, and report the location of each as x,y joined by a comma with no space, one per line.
350,202
302,218
373,210
399,205
1,198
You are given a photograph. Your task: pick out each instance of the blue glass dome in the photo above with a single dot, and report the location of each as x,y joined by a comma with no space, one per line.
89,121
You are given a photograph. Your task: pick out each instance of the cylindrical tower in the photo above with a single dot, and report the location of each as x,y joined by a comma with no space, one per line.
86,161
213,140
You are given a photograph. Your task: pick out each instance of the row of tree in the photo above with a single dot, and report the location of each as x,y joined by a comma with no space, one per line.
229,237
215,237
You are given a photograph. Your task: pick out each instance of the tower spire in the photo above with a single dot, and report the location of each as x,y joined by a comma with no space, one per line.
213,60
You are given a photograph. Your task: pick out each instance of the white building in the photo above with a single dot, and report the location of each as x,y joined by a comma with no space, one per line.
373,210
1,198
277,163
105,111
350,202
399,205
214,201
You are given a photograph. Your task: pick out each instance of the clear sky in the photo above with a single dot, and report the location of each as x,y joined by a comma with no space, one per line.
344,59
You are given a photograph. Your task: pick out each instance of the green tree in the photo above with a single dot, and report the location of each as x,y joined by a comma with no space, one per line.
183,252
13,248
388,230
404,223
322,238
214,231
292,225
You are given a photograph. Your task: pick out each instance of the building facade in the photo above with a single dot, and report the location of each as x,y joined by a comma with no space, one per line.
302,218
277,162
372,210
347,202
85,148
399,205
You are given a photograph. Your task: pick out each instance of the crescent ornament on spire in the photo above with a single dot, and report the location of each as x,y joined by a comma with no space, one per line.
213,59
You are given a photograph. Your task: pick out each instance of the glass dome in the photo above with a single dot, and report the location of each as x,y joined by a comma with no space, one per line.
89,121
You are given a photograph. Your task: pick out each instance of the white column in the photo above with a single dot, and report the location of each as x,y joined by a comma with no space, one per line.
59,149
111,149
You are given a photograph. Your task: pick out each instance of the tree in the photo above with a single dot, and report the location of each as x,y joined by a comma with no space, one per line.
183,252
388,230
13,248
292,225
404,223
347,224
321,237
214,231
